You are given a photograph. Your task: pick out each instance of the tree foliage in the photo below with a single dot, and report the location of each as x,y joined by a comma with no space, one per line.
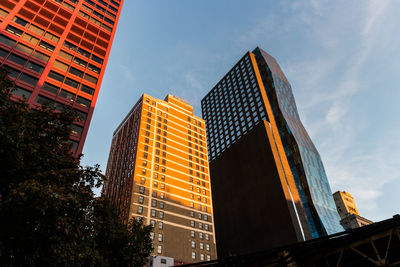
49,215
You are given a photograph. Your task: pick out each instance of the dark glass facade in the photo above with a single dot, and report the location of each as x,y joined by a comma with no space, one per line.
249,93
232,108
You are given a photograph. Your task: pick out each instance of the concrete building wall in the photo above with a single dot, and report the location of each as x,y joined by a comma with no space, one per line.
250,208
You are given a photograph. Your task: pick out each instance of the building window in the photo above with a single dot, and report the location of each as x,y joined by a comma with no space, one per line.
202,257
207,237
160,237
200,225
193,244
141,199
153,223
207,247
206,226
154,203
161,215
152,235
140,210
192,223
201,235
161,205
193,255
201,246
208,257
153,213
141,189
159,249
160,225
193,234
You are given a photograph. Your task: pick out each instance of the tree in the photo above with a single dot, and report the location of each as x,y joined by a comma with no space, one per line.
48,210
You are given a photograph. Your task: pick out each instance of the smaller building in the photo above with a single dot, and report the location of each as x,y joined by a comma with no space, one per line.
353,221
160,261
346,207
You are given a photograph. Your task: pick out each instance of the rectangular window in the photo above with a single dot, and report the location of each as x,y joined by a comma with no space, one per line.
83,53
24,48
51,88
97,59
17,59
51,37
83,102
160,225
34,67
140,210
46,46
94,69
7,41
60,65
80,62
67,95
70,46
44,100
87,89
159,249
72,83
28,79
41,56
90,78
18,91
141,199
35,29
13,73
4,13
14,30
76,72
65,55
56,76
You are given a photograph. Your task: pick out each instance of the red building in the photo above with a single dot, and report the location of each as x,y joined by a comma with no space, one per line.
57,51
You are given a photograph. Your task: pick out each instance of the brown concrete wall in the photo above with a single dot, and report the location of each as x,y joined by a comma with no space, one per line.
251,212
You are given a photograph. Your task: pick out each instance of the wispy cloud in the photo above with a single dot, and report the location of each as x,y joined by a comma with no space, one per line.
328,80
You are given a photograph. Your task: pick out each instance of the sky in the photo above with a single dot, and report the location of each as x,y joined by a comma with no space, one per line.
341,57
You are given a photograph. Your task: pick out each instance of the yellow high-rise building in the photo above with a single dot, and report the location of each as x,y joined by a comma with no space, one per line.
158,170
346,207
345,203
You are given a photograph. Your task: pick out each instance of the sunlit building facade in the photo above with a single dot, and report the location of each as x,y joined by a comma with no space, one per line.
253,109
348,212
56,52
158,170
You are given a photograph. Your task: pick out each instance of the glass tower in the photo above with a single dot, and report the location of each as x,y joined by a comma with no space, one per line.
56,52
256,90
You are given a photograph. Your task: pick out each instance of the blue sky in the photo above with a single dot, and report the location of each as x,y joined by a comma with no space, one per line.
342,59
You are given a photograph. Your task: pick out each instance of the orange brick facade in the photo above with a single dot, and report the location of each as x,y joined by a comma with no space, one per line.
158,170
